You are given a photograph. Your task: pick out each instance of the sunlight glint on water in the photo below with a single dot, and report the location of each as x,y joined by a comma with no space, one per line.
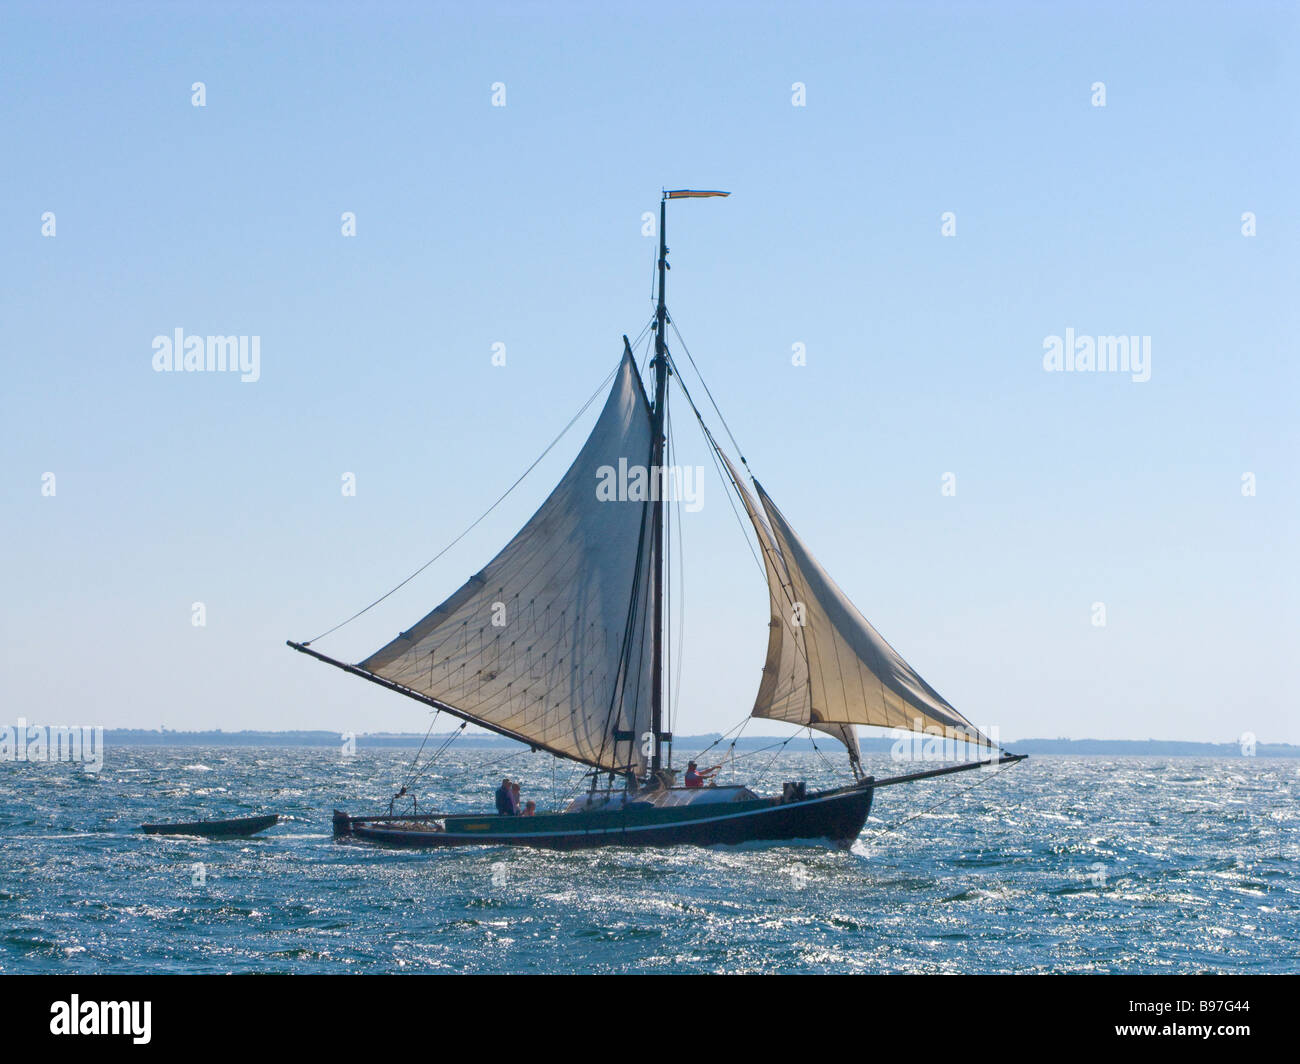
1075,864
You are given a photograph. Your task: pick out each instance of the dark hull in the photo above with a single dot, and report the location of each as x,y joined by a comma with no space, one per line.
834,817
215,829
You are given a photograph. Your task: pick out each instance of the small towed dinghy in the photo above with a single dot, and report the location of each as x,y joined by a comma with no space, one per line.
215,829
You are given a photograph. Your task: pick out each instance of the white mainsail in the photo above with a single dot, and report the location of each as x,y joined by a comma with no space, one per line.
546,642
853,675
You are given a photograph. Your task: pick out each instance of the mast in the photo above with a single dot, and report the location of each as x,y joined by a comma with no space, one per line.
658,438
657,441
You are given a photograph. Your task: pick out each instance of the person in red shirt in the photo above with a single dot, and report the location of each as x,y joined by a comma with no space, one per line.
696,777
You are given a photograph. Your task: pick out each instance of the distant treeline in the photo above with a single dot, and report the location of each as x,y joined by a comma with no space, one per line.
690,744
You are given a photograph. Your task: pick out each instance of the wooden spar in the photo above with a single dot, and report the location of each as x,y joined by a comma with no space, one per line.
658,442
659,574
1005,759
419,696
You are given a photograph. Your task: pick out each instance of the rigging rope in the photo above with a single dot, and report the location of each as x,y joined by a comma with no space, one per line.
478,770
826,761
436,713
679,554
874,840
435,755
479,520
721,737
580,775
768,767
723,475
681,614
730,435
666,574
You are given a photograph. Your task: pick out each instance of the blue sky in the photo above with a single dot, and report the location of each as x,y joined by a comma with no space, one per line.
522,225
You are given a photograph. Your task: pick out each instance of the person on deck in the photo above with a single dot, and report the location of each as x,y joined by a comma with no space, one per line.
530,809
696,777
505,799
514,799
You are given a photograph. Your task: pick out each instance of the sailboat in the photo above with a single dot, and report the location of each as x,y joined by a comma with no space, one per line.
561,641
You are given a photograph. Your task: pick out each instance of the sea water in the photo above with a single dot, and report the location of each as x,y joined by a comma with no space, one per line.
1078,864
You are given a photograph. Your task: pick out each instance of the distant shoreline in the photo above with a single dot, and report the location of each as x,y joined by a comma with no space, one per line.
684,744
